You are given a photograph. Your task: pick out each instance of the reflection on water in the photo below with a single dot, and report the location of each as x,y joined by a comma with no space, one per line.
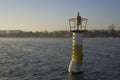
76,76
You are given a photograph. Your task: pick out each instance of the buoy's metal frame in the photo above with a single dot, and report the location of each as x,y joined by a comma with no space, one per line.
77,27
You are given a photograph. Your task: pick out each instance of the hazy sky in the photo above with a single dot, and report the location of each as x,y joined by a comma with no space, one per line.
40,15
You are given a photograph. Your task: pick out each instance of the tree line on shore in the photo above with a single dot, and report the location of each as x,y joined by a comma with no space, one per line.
65,34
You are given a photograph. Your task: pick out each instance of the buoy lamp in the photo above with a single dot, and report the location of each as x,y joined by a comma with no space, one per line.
77,27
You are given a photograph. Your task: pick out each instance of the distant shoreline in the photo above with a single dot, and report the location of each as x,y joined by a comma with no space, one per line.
54,38
59,34
101,38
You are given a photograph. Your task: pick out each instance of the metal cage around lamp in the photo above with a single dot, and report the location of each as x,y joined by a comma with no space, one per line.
73,24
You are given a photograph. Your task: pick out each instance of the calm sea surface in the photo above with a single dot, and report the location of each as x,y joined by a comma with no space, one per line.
48,59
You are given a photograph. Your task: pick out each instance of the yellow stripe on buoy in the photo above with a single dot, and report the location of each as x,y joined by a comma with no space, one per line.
77,54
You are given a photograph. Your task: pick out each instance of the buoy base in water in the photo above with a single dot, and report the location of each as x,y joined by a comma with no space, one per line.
74,68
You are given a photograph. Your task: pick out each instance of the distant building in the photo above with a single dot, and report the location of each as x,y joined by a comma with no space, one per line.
3,31
14,31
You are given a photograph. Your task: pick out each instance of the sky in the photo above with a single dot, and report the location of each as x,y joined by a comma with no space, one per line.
53,15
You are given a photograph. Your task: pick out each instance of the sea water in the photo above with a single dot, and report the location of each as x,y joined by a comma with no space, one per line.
48,59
